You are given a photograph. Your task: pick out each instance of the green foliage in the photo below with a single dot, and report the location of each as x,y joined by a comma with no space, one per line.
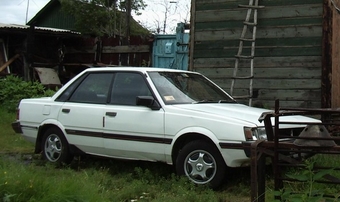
307,192
103,17
13,89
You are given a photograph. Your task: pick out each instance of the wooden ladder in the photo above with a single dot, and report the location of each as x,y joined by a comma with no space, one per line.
252,8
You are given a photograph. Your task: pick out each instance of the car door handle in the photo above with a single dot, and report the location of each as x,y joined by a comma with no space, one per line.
66,110
113,114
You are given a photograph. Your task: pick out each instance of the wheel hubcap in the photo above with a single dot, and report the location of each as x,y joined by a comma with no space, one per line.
200,167
53,148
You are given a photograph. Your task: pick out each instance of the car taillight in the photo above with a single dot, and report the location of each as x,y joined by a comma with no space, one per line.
18,114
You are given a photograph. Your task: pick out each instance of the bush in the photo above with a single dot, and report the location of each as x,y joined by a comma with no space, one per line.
13,89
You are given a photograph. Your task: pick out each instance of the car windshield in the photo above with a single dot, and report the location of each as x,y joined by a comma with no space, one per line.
184,88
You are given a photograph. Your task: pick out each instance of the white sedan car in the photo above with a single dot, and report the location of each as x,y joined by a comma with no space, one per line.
177,117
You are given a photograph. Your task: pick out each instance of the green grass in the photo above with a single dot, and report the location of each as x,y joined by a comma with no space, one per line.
9,140
97,179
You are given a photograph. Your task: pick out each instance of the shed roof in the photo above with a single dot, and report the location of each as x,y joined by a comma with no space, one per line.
22,29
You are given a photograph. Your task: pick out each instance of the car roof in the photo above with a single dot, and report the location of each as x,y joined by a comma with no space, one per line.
140,69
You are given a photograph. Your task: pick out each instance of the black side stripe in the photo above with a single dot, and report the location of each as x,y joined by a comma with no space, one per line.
84,133
120,137
231,145
31,127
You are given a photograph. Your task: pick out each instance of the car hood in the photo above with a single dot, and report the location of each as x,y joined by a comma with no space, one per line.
240,112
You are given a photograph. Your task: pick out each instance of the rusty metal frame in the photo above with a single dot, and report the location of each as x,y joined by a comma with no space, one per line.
275,149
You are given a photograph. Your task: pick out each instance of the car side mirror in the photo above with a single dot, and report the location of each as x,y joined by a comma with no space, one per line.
147,101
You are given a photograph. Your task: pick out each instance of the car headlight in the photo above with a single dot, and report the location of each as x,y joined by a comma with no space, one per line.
255,133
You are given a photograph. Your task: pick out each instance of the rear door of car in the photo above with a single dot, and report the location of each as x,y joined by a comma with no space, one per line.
134,132
82,111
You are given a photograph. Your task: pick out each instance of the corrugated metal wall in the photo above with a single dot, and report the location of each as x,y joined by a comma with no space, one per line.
288,55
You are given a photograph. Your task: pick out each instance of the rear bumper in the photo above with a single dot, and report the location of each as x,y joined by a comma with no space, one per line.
16,127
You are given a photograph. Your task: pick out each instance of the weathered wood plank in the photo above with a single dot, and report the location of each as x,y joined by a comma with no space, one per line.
262,73
222,25
271,83
216,1
270,42
114,49
270,104
288,94
273,32
313,10
292,98
127,49
262,52
221,4
262,62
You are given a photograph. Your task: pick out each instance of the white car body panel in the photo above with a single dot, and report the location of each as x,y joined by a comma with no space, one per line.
142,130
83,118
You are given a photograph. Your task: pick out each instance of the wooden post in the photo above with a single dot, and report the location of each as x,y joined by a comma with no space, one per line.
9,62
126,40
331,55
335,56
326,85
192,35
258,173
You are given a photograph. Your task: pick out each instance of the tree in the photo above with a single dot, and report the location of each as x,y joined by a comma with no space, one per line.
105,17
163,16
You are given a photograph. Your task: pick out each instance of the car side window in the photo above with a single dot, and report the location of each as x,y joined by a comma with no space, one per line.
67,93
127,86
93,89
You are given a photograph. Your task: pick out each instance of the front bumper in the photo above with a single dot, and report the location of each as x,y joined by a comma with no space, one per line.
245,146
16,127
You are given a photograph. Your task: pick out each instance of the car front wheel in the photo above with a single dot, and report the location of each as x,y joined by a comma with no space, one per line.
202,163
55,147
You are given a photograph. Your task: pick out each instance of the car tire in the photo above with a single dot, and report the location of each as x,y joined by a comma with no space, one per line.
55,147
202,163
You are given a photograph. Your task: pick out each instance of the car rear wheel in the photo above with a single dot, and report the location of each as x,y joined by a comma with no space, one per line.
55,147
202,163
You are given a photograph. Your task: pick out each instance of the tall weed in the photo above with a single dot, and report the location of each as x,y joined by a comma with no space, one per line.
307,186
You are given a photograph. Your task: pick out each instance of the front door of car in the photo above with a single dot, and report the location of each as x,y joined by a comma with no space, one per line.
133,132
82,112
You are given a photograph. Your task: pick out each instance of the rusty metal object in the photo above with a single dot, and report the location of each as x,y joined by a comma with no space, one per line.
291,151
317,131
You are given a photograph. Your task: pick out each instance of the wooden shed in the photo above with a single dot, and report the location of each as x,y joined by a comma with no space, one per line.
51,41
296,55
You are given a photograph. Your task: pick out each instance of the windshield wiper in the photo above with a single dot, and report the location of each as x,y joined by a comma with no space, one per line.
204,101
214,101
226,101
